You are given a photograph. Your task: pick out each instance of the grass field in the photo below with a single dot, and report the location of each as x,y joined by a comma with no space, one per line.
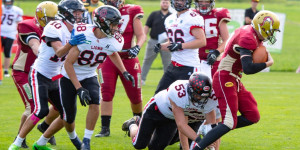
277,94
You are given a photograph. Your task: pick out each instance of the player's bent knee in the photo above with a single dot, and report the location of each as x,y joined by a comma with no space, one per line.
35,119
154,147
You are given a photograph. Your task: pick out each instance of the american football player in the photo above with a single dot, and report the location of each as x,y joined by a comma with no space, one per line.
130,27
30,32
185,30
237,58
45,70
215,20
11,16
185,101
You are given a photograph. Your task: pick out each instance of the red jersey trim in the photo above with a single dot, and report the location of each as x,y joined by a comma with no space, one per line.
193,27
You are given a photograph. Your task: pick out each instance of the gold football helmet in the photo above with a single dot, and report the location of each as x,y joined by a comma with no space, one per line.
45,12
266,23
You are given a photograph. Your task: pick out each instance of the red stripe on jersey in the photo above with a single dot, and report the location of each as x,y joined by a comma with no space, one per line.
152,99
193,27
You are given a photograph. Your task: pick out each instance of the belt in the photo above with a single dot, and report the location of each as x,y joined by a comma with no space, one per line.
176,64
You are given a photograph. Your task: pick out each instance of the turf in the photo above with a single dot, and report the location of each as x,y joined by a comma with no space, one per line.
277,94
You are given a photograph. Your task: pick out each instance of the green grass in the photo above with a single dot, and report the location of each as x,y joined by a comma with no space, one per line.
277,94
287,60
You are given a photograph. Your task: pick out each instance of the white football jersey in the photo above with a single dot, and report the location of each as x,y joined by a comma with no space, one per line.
177,92
47,63
93,51
10,17
179,31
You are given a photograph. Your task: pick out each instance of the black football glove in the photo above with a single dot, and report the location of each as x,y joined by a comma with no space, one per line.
212,56
134,51
129,77
84,96
157,47
175,47
197,141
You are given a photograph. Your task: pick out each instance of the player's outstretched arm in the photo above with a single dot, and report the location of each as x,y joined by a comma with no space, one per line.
116,59
34,45
181,122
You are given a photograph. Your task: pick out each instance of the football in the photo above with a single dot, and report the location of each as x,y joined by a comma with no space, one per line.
260,55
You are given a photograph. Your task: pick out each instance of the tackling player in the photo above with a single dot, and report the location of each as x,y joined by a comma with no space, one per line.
108,74
185,101
46,69
237,58
186,35
11,16
30,32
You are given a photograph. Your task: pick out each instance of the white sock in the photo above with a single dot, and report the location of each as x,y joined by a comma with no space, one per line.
131,126
88,133
19,141
42,141
72,135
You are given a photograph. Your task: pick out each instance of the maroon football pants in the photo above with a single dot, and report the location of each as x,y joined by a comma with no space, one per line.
233,97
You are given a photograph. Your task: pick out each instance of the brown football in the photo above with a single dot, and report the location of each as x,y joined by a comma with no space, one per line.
260,55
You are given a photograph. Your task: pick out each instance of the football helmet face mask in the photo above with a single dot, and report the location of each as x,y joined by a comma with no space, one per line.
115,3
45,12
107,18
181,5
199,89
8,3
71,11
204,6
266,23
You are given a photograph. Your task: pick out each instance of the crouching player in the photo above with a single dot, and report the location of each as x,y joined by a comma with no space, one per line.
185,101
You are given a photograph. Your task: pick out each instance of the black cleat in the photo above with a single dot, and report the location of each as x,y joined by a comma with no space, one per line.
24,145
105,132
77,143
52,140
85,144
127,123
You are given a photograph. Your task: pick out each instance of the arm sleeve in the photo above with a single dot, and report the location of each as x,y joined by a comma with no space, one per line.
48,40
248,66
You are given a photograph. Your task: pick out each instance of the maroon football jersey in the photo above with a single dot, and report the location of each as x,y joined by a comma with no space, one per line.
212,22
244,37
24,56
129,12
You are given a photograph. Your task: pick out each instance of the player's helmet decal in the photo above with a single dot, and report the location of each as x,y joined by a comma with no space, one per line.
104,17
115,3
181,5
266,23
204,8
67,7
199,89
45,12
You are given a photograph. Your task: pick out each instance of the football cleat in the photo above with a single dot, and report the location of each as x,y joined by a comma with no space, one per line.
127,123
105,132
6,74
52,140
13,147
85,144
77,143
24,145
35,146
